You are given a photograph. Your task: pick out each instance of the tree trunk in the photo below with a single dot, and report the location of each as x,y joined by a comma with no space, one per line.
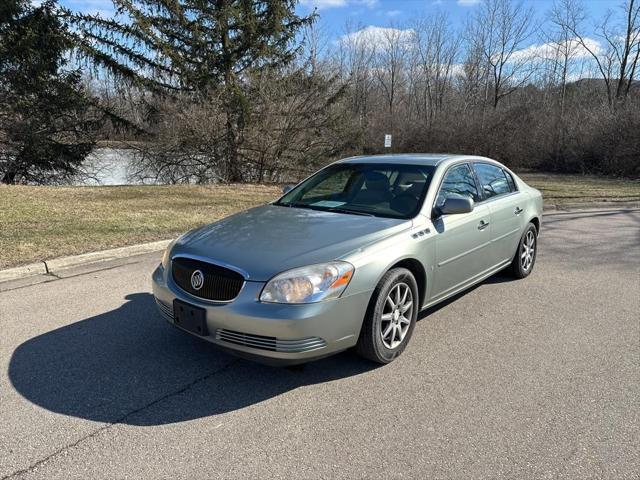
233,172
9,177
231,105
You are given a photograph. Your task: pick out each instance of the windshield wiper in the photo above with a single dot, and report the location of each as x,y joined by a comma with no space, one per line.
348,211
326,209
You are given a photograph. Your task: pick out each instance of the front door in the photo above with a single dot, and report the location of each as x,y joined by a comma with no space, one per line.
462,241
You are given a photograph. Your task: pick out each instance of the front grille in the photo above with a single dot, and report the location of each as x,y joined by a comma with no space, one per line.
220,284
270,343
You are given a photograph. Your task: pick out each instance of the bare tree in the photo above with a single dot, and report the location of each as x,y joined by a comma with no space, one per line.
564,47
499,32
390,66
503,88
437,49
298,124
315,47
616,55
355,65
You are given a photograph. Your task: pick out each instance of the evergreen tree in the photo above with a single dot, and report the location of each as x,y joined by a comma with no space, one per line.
203,47
44,130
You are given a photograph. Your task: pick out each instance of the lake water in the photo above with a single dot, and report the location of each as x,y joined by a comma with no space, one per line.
115,166
107,166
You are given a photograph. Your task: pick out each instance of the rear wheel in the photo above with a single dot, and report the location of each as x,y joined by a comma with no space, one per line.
525,257
391,317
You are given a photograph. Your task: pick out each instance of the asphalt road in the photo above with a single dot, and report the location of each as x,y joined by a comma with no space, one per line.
538,378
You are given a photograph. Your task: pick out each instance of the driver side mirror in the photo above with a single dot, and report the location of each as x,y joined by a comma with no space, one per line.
455,205
287,188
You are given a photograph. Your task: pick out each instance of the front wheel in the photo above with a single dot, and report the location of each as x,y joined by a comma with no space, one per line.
391,317
525,257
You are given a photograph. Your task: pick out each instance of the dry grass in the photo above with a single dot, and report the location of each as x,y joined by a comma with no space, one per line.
578,190
39,223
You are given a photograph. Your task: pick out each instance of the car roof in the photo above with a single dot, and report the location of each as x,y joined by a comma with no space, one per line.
430,159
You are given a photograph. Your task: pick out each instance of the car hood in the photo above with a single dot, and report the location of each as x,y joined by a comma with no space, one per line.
269,239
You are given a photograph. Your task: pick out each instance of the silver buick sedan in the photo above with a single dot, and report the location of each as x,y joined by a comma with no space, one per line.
349,257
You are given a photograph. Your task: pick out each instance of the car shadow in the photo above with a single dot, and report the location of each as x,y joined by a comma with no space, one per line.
500,277
129,366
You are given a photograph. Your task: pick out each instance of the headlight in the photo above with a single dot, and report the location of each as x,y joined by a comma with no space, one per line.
308,284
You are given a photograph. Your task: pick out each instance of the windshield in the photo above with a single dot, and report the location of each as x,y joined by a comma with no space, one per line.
385,190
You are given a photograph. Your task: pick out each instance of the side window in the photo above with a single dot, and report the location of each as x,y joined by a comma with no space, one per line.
493,180
458,182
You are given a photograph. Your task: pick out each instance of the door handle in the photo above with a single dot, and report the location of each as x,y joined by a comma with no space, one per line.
483,225
518,211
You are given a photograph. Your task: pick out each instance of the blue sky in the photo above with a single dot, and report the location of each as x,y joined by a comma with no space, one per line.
334,14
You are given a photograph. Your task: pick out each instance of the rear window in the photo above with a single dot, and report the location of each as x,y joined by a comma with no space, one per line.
493,180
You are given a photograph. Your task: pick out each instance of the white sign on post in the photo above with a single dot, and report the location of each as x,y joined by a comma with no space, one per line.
387,141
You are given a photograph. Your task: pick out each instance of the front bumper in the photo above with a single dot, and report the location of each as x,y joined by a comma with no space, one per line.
271,333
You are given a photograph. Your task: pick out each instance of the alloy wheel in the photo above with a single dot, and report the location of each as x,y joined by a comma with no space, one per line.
396,315
528,251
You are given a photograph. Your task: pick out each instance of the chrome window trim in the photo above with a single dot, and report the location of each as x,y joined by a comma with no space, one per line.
498,197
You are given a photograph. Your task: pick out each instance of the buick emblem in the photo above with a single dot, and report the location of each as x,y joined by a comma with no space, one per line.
197,280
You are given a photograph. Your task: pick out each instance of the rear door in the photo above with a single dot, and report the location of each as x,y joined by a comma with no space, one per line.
462,240
506,205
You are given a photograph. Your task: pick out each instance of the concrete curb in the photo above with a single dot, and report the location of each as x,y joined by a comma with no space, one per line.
86,258
38,268
573,207
58,264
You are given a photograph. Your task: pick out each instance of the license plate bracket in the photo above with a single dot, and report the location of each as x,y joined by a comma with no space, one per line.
189,317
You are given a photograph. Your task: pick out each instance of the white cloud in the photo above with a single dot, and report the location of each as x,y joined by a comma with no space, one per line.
394,13
468,3
366,3
372,36
549,51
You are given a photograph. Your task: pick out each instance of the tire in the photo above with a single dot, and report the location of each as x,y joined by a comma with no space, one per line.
383,339
525,257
